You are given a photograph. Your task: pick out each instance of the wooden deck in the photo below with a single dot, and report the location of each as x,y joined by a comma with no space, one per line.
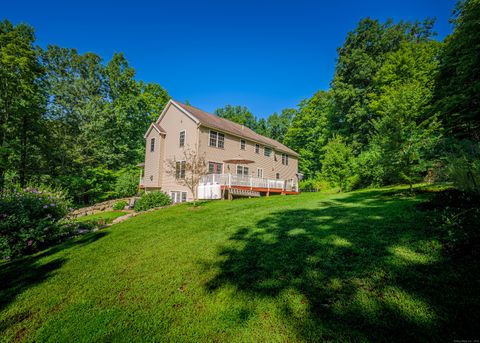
266,191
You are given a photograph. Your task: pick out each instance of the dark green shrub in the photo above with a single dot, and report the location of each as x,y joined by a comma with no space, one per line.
127,184
120,205
31,219
463,166
152,200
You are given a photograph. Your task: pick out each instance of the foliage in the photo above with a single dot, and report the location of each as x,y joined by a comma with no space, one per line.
120,205
313,184
337,162
463,165
309,132
126,184
359,59
457,94
22,102
151,200
31,219
238,114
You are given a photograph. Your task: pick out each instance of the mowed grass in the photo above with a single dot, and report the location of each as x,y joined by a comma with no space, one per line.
360,266
107,217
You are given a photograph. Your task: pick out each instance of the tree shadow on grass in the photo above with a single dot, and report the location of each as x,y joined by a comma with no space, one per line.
363,267
22,274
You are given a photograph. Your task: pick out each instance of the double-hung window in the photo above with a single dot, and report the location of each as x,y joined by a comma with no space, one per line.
216,139
215,168
242,144
285,159
260,172
180,169
267,151
242,170
182,138
257,148
152,145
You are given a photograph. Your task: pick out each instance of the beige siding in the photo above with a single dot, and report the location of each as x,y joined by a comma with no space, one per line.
153,160
173,122
232,150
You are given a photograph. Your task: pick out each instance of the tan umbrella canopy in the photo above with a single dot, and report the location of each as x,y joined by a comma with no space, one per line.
239,160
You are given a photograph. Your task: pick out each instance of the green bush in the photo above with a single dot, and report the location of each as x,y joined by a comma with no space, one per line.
127,184
463,166
31,219
152,200
120,205
314,185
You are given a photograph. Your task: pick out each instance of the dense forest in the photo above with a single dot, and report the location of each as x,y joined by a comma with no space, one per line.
403,107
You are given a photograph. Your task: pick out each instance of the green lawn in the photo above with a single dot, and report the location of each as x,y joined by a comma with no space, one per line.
360,266
107,217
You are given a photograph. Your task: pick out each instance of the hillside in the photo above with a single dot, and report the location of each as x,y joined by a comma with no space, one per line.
357,266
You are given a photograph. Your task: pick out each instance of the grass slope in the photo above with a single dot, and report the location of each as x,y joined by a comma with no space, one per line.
106,217
361,266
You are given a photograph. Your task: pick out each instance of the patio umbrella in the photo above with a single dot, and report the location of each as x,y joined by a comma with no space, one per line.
239,160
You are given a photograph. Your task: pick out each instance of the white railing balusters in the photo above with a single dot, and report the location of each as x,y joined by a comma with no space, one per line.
248,181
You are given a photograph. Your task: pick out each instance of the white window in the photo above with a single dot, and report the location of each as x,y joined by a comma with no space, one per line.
182,138
217,139
267,151
242,170
178,196
260,172
180,167
215,168
285,159
152,145
242,144
257,148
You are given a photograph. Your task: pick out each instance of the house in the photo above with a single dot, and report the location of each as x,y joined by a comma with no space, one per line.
238,158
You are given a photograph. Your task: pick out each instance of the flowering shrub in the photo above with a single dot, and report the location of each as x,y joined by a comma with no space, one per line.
152,200
30,219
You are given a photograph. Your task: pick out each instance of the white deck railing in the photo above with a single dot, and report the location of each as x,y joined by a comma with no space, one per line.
248,181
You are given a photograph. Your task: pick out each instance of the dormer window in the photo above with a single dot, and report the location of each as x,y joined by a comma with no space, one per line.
182,138
242,144
152,145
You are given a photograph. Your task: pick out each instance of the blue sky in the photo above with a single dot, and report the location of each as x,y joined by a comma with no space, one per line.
266,55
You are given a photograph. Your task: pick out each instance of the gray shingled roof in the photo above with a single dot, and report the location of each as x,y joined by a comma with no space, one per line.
215,122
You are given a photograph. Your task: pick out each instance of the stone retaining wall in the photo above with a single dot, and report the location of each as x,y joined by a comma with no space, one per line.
100,207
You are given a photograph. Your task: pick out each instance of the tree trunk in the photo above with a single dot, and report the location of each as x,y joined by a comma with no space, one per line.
23,152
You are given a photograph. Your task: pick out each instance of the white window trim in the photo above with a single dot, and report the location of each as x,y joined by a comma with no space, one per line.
260,169
184,138
255,148
244,144
243,169
180,171
152,146
223,165
177,196
216,141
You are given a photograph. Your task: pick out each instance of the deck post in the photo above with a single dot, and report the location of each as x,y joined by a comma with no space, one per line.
229,180
251,183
